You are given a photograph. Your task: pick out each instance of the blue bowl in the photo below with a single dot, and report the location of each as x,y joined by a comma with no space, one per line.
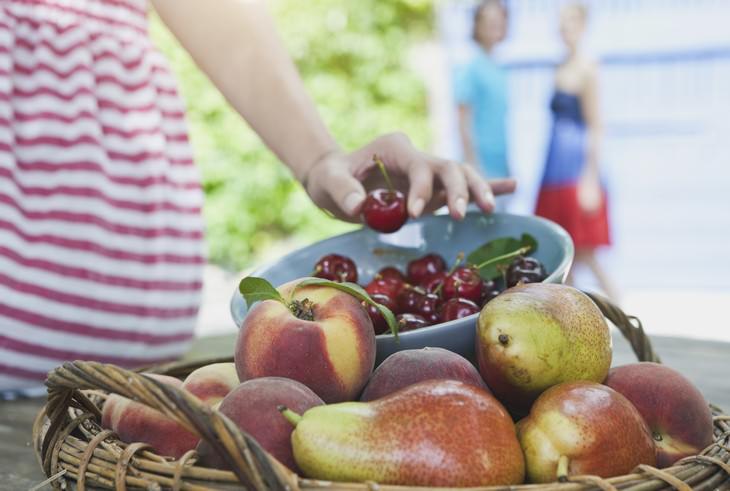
434,233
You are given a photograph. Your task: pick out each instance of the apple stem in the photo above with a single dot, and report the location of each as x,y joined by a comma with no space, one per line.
290,415
518,252
381,166
562,473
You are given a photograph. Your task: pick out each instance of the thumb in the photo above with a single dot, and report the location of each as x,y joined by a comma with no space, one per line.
346,192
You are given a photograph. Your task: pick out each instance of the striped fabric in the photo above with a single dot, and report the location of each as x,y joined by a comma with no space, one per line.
101,237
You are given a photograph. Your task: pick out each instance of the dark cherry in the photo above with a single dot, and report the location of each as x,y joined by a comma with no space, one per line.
379,324
456,308
434,282
465,282
391,273
427,306
490,290
410,322
408,299
385,210
525,270
335,267
384,286
424,267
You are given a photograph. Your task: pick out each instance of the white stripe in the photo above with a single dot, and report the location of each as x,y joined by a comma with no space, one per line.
152,194
43,78
99,291
101,264
67,341
14,383
102,236
112,321
63,18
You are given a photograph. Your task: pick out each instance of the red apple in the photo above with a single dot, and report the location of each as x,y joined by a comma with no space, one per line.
592,427
676,412
329,345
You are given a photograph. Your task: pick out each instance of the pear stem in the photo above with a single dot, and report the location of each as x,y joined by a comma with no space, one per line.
518,252
381,166
290,415
563,468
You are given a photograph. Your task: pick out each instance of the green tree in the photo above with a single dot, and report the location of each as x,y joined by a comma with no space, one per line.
352,56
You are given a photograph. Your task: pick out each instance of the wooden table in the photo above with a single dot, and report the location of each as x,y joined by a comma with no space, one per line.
707,364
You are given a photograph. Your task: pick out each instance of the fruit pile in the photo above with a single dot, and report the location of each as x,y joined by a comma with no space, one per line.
541,405
429,292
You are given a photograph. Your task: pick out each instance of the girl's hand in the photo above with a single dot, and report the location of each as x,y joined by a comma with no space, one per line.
590,194
337,182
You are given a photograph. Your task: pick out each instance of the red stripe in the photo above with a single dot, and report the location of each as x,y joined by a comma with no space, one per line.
80,12
88,166
94,248
54,324
67,355
133,133
22,372
85,192
89,219
53,116
57,141
95,304
96,277
115,3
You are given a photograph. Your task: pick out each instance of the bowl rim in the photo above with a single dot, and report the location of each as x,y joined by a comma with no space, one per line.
562,268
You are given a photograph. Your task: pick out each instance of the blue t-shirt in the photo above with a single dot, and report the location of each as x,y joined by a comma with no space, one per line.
482,85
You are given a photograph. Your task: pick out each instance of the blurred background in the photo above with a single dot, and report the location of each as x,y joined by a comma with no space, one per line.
375,66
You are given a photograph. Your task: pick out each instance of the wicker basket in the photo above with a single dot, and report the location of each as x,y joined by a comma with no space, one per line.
71,445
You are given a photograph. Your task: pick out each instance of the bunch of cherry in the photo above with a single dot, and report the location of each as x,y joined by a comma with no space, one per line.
429,293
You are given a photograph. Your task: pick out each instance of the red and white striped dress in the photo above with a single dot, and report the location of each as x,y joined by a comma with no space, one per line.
101,236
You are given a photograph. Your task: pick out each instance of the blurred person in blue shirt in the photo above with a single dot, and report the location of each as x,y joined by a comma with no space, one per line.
481,94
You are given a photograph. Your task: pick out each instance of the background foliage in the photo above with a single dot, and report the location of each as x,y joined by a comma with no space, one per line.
352,56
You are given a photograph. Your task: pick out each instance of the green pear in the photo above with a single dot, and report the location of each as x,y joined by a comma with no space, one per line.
434,433
537,335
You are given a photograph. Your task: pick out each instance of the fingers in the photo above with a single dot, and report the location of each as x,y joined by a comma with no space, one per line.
503,186
454,182
421,187
346,191
479,188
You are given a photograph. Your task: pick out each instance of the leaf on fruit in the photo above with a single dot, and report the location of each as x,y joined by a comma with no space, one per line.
503,246
256,289
358,292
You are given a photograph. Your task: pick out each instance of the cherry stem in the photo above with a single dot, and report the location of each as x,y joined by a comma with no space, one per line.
562,473
383,171
290,415
459,259
518,252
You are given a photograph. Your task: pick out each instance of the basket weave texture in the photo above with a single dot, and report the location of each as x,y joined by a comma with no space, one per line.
70,443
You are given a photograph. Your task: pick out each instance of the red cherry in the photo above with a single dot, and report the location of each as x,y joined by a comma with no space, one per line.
391,273
420,269
433,283
384,286
456,308
335,267
465,282
379,324
385,210
410,322
490,290
427,306
408,299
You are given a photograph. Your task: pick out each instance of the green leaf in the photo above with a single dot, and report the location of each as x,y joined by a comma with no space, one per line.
358,292
256,289
491,253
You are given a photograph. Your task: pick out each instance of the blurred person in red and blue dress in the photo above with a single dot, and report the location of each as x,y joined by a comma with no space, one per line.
572,192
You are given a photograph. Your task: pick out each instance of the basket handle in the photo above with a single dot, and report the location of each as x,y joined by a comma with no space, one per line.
253,467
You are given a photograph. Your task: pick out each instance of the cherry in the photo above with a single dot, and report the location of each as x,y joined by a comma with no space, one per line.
490,290
456,308
427,306
424,267
410,322
464,282
385,210
335,267
525,270
408,299
384,286
391,273
433,283
379,324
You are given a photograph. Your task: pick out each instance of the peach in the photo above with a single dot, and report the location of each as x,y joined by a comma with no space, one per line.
409,367
676,412
253,407
211,383
319,336
135,422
